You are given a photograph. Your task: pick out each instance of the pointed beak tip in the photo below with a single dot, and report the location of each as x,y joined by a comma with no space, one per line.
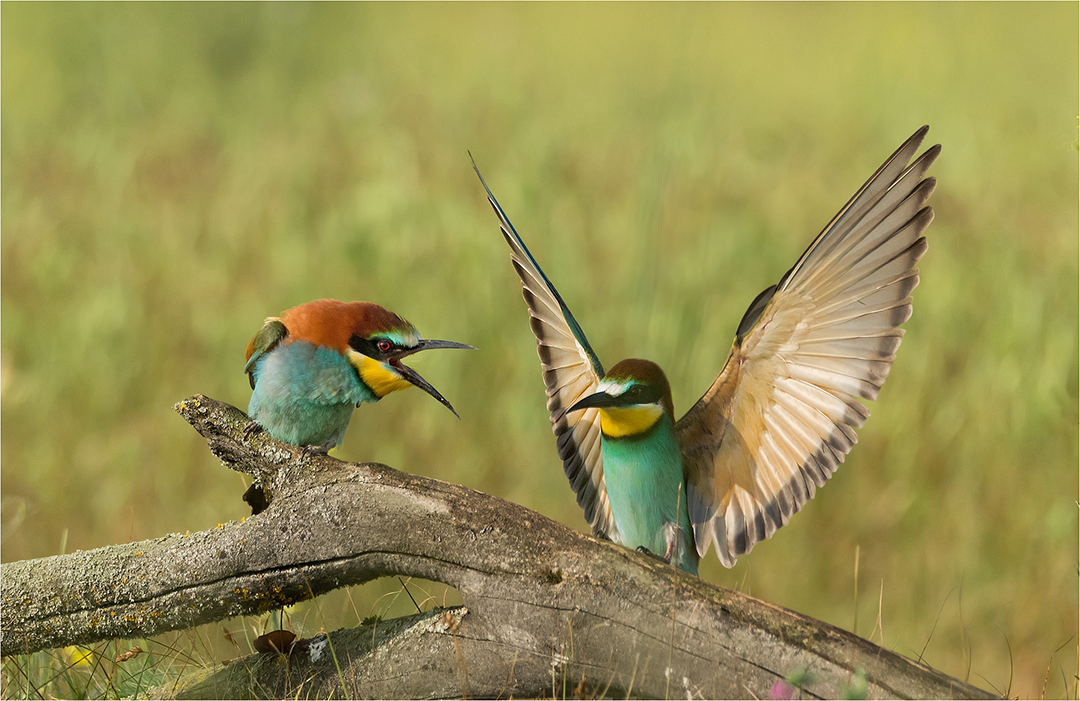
442,400
414,378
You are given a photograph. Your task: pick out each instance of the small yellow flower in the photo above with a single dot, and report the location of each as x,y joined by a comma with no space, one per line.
79,657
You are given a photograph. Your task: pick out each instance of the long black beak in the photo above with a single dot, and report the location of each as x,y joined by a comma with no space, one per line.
599,400
414,377
428,344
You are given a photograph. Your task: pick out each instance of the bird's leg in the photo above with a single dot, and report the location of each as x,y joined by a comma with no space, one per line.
324,449
309,450
671,532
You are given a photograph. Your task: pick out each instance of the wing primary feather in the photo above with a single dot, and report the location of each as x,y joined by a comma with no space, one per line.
907,239
885,233
882,177
269,336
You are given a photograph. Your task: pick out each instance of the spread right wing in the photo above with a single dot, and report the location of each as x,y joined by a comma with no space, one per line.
571,372
782,414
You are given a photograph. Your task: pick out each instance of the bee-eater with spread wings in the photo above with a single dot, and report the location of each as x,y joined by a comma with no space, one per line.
781,415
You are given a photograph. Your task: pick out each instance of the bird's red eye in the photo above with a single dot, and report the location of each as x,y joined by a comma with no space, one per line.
384,345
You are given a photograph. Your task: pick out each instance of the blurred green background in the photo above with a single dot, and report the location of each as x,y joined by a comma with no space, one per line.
172,174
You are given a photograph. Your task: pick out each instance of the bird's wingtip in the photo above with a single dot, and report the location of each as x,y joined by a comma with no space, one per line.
483,182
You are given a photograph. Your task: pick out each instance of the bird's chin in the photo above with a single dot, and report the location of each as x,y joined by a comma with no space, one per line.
381,378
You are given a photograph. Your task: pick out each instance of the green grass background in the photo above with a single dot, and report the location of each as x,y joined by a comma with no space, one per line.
172,174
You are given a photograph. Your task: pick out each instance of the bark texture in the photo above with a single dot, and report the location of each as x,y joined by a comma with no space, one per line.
547,610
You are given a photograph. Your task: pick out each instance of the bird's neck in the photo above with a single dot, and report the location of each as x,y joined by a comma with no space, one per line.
378,377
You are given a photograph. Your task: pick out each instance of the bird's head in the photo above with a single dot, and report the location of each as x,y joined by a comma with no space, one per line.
631,398
374,340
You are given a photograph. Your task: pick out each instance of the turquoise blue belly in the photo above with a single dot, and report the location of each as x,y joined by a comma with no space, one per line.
644,482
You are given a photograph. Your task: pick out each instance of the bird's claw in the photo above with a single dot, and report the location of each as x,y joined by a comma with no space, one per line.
308,451
650,553
250,430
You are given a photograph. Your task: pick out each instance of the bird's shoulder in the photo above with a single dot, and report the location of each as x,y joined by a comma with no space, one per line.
268,337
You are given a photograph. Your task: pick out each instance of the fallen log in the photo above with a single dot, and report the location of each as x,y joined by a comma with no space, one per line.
547,610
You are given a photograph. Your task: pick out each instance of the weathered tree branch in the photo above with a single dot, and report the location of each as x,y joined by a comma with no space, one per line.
544,606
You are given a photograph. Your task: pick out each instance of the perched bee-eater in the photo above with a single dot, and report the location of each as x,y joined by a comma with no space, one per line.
309,367
782,413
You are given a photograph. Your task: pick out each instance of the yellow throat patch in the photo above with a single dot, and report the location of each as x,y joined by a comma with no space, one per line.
619,422
381,379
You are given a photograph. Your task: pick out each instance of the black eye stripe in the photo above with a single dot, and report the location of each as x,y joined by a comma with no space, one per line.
642,394
370,346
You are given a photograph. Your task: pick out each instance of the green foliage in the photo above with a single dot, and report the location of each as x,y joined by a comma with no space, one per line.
172,174
857,687
156,668
98,672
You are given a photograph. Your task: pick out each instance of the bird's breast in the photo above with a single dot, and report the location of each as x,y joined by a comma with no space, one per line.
302,372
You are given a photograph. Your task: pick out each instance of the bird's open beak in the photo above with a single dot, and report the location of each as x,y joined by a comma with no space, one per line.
600,400
414,377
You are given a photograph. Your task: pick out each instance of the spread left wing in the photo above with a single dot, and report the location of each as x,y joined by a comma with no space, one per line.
571,372
782,414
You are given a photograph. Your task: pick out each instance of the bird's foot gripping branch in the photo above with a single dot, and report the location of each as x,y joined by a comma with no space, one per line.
541,602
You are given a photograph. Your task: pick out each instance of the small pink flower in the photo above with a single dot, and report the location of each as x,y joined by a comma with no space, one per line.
781,691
